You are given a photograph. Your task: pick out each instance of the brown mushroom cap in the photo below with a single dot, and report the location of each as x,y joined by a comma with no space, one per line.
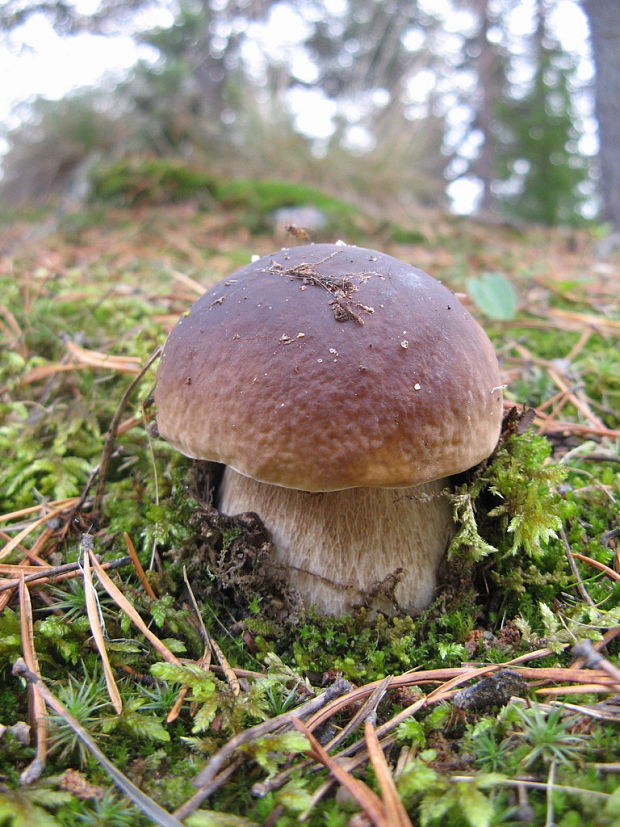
326,367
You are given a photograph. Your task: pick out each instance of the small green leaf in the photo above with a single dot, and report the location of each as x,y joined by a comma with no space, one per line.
295,796
268,751
212,818
474,805
494,295
411,731
206,713
17,810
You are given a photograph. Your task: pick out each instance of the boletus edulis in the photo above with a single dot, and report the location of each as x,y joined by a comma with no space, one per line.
341,388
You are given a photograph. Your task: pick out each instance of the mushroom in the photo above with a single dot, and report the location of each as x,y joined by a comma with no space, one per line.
341,388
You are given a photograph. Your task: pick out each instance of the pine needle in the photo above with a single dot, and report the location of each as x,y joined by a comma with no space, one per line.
92,610
124,604
37,706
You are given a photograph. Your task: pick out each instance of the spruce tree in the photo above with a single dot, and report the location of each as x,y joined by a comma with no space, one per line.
542,176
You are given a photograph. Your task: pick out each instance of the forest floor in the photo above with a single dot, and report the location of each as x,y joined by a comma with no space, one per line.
136,681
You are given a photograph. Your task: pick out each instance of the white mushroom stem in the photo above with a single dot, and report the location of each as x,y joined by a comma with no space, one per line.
336,548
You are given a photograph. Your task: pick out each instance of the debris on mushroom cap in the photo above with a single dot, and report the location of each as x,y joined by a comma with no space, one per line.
384,411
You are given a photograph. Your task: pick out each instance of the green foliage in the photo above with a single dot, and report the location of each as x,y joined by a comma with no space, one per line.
133,722
543,172
547,738
530,508
261,198
29,807
522,476
463,797
110,810
272,750
83,699
438,798
132,181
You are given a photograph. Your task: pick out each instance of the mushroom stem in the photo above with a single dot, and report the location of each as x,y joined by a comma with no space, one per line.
342,549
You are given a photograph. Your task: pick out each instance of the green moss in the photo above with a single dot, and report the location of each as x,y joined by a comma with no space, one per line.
133,181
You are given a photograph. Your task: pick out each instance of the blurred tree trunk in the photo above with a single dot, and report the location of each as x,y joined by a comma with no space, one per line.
604,19
488,68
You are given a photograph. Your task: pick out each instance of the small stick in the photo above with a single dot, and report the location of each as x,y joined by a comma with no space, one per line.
368,708
14,543
199,796
575,571
110,437
32,509
124,604
370,802
227,669
52,574
594,660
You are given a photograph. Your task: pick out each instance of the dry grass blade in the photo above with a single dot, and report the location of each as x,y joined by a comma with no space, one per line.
582,320
124,604
93,358
394,809
205,660
23,512
227,669
149,807
53,574
194,285
92,610
45,371
579,689
370,803
12,544
37,706
23,568
138,567
596,565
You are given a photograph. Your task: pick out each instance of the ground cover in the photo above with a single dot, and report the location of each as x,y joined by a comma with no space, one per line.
145,615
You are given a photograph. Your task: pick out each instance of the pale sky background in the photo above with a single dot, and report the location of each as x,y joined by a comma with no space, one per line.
37,61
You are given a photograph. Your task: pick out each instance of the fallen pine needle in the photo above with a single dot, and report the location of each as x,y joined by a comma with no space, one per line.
369,801
68,501
92,610
37,706
394,809
124,604
54,574
12,544
123,364
596,565
138,567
